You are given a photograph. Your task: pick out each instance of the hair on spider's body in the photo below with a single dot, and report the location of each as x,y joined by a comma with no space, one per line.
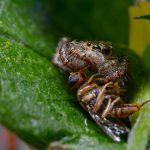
94,55
103,101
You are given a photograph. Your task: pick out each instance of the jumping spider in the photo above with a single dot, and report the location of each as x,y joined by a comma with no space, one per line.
93,55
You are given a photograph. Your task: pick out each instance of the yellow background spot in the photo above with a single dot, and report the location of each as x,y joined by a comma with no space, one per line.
139,35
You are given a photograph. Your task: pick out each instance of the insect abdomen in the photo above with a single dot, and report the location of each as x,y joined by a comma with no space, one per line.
125,110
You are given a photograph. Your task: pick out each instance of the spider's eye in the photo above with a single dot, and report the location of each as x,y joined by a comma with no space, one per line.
106,51
88,43
95,46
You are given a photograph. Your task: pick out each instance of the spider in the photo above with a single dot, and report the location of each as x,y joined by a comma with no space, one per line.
92,55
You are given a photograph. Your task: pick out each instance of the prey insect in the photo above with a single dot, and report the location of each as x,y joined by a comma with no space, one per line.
101,99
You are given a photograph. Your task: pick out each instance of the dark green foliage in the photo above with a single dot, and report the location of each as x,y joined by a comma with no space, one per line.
147,17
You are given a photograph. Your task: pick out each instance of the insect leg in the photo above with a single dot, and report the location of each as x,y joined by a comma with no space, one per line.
104,114
109,107
100,97
118,88
115,88
92,77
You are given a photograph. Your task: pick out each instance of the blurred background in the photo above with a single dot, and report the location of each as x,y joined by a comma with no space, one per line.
91,19
8,141
108,20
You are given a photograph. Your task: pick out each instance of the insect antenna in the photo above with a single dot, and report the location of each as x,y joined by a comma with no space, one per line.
144,103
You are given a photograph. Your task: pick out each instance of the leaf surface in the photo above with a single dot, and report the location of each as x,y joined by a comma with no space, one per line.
35,102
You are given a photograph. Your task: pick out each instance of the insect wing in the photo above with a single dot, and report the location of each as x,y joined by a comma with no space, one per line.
112,129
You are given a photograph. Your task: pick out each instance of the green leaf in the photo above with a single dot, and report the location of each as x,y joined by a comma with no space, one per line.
35,102
147,17
23,21
32,99
139,41
142,127
139,136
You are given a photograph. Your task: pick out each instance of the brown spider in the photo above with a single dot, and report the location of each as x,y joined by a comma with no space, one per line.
94,55
102,101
